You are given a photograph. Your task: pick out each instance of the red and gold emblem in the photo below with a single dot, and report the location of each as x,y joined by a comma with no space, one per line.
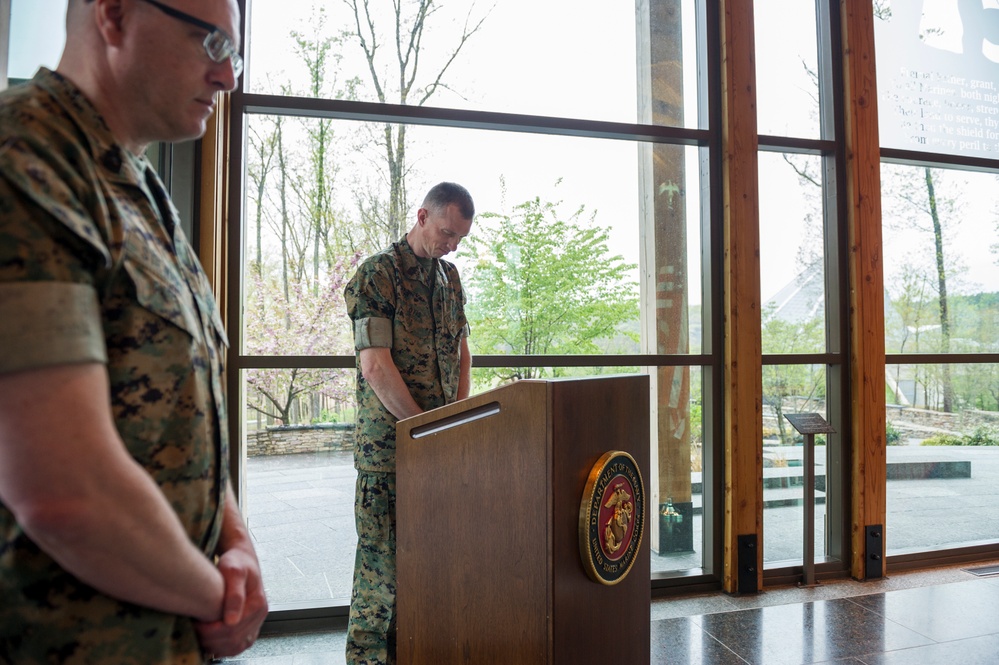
611,517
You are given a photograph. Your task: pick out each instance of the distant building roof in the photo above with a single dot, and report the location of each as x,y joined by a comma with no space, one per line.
802,299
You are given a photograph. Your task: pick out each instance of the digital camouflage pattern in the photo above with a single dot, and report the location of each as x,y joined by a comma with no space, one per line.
371,624
416,307
95,267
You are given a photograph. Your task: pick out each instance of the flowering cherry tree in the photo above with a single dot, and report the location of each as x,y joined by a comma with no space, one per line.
310,321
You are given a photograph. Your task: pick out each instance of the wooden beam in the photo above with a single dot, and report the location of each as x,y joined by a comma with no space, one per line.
867,332
213,251
213,199
743,345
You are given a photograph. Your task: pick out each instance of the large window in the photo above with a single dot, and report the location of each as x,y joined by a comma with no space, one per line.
801,283
583,141
37,34
939,125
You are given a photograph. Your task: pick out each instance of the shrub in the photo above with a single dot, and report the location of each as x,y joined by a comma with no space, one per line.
326,416
893,437
942,440
982,436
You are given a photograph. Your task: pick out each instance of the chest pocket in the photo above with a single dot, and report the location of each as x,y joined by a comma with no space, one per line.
455,323
159,284
451,302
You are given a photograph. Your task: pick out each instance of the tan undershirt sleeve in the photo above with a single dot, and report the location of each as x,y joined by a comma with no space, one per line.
43,324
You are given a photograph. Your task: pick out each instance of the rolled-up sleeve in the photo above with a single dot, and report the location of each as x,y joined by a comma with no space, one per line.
50,253
371,332
49,323
370,296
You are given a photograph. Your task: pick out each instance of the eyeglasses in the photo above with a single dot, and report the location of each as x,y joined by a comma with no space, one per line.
218,45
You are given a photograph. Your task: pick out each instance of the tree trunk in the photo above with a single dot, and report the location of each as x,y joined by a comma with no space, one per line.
947,388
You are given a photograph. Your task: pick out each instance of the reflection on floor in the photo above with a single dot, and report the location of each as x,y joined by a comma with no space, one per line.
947,615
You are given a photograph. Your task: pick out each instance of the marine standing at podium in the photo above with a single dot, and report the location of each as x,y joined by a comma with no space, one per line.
411,338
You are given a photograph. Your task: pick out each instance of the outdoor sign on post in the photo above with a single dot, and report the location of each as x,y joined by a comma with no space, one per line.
808,425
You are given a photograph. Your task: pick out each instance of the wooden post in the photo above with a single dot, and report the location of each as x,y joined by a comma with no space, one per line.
867,358
743,345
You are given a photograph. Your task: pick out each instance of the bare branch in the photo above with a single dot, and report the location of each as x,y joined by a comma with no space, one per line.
369,51
465,36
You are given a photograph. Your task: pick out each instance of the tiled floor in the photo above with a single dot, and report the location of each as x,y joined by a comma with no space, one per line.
944,616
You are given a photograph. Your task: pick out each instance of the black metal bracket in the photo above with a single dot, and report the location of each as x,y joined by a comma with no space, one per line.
874,549
747,582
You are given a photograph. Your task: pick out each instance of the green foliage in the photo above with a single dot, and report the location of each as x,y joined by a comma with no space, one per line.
791,387
326,416
893,437
982,436
696,422
543,283
790,336
942,440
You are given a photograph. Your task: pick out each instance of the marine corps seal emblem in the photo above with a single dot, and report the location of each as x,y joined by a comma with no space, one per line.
611,517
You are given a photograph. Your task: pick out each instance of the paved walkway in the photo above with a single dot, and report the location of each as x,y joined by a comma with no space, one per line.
300,512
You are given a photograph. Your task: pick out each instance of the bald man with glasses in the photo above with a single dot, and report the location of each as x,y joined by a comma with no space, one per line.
121,542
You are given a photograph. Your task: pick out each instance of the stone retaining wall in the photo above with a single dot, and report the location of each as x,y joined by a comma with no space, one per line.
293,439
912,421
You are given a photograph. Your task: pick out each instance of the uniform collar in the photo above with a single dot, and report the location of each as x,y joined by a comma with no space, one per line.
412,264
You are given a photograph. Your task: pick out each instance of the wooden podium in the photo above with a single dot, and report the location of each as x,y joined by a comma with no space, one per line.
490,492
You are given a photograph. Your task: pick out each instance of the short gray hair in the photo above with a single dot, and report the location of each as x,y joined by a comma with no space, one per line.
444,194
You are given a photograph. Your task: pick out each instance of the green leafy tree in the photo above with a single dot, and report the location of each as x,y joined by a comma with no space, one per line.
911,324
791,386
976,330
543,283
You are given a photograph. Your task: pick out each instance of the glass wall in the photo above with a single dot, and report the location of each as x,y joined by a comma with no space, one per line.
787,68
511,57
582,139
800,280
937,85
299,502
938,110
943,464
37,35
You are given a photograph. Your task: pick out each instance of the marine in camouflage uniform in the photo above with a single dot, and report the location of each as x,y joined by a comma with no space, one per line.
95,268
415,307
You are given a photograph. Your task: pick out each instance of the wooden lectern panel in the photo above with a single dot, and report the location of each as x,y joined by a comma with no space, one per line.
489,493
480,500
597,624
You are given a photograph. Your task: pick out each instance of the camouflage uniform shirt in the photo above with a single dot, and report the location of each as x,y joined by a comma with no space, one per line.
416,307
95,268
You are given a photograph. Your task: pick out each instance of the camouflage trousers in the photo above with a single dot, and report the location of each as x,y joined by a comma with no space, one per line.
371,626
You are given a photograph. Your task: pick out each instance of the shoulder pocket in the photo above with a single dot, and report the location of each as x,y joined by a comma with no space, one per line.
51,187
